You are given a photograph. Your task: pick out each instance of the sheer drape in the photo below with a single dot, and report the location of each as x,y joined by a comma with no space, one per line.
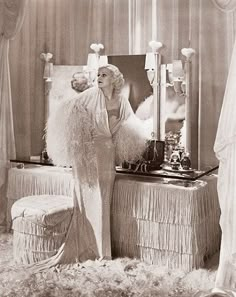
225,5
212,35
65,29
12,13
164,21
225,149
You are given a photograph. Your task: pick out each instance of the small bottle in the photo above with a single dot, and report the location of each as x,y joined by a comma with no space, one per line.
44,155
175,160
185,161
175,157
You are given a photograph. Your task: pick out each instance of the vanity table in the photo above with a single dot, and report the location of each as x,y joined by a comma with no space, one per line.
158,219
166,221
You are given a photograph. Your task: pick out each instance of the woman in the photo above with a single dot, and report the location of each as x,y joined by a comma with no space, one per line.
82,133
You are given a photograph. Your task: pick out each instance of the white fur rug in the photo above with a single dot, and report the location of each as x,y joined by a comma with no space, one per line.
117,278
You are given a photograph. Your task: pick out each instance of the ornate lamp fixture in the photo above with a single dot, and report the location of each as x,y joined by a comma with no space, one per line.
155,148
47,75
94,61
152,65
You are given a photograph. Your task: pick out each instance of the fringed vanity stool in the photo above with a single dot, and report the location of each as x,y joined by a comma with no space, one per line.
39,224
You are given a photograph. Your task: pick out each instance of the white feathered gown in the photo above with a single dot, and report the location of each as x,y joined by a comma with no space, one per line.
78,134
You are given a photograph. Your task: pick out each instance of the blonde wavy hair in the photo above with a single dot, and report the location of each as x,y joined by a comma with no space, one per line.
116,75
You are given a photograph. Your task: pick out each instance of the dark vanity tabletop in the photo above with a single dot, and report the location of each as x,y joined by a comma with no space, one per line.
35,162
194,175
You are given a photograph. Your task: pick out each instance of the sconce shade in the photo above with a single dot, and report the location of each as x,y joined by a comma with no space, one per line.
178,71
178,86
92,61
150,75
48,70
188,53
150,62
169,74
103,60
183,87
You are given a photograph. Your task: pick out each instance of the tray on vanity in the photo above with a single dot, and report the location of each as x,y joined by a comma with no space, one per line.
176,174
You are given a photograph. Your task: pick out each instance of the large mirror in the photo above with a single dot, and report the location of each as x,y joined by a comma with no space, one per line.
137,88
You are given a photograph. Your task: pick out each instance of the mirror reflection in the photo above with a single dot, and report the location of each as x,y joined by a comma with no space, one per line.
68,80
140,93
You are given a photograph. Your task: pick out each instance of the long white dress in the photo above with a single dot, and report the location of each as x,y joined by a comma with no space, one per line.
225,149
79,135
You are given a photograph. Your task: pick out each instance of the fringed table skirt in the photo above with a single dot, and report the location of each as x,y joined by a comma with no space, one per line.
161,221
40,224
165,222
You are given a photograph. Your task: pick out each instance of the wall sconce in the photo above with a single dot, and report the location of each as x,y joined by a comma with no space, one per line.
153,67
150,65
178,77
48,67
48,71
47,76
103,60
186,87
155,148
92,66
94,61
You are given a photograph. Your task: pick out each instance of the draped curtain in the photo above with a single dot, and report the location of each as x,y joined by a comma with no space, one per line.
66,29
212,29
11,15
225,5
164,21
225,150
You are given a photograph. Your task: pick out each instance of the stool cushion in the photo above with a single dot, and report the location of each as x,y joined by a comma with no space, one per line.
39,224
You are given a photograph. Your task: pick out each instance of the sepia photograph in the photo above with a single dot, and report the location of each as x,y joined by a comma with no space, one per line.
117,148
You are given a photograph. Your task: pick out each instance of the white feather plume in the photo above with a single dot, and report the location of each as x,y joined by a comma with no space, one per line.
130,140
96,47
188,52
155,45
69,139
46,56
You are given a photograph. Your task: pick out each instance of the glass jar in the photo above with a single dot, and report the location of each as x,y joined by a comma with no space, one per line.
185,161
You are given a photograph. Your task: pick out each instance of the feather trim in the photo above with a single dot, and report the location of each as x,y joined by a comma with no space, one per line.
69,139
131,138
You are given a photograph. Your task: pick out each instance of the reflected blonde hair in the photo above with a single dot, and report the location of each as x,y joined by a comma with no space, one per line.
116,75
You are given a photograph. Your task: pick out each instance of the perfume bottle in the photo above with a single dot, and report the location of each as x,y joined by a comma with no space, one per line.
44,155
175,157
185,161
175,160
